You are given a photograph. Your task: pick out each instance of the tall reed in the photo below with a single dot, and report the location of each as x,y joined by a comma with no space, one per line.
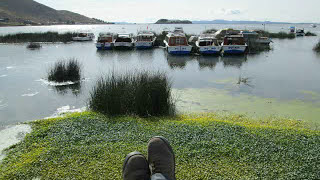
65,70
133,93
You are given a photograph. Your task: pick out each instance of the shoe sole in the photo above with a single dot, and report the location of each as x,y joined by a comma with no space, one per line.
130,155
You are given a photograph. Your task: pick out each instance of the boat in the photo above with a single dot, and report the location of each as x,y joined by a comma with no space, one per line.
300,32
234,44
105,41
208,44
313,25
292,29
123,40
264,41
176,42
252,37
84,37
145,40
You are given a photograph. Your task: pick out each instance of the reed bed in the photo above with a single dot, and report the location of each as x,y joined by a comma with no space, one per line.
279,35
33,46
317,47
65,70
133,93
310,34
37,37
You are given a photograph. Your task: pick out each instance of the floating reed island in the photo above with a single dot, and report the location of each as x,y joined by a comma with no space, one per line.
37,37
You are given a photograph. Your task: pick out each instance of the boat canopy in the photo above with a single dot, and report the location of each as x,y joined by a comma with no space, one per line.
145,36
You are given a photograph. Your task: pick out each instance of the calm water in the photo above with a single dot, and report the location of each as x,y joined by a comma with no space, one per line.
281,82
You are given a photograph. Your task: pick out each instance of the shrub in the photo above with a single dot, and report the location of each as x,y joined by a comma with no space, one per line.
64,71
37,37
140,93
317,47
310,34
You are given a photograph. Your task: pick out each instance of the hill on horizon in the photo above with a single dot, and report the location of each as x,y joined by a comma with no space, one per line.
21,12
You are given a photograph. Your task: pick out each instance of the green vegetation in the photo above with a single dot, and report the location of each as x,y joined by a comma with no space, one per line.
210,31
65,70
207,146
317,47
310,34
141,93
168,21
33,46
279,35
37,37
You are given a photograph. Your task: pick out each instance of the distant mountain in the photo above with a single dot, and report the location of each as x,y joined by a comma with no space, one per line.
168,21
22,12
221,21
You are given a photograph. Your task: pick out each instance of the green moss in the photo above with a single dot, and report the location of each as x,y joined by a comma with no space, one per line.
207,146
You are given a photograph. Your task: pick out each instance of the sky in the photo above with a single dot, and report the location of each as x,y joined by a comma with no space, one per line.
149,11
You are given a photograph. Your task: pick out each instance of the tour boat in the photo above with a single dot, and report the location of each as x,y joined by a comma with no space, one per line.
208,44
84,37
234,44
145,40
313,25
123,40
292,29
105,41
254,37
176,43
300,32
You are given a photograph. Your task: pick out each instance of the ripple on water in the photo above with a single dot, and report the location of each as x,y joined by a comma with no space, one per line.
12,135
30,94
4,75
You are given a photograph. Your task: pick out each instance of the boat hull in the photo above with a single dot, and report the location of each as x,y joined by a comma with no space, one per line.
209,49
234,49
82,38
179,50
144,45
104,46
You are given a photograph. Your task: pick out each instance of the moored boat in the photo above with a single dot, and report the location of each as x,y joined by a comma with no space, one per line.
234,44
84,37
105,41
176,43
313,25
123,40
145,40
208,44
300,32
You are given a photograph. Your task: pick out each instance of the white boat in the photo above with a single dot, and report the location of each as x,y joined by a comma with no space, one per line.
313,25
145,40
105,41
234,44
123,40
208,44
300,32
176,43
253,36
84,37
292,29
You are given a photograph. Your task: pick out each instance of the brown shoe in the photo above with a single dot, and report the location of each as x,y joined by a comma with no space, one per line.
135,167
161,157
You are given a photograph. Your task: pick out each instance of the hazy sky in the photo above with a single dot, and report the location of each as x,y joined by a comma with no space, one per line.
142,11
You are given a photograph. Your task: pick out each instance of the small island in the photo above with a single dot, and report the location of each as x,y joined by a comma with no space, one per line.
168,21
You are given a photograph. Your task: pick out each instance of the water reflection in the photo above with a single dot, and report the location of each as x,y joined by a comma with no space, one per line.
235,61
208,62
75,89
105,54
145,54
178,62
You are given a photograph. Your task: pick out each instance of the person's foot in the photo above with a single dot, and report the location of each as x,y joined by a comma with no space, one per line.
161,157
135,167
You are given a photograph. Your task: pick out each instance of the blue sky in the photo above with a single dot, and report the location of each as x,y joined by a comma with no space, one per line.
144,11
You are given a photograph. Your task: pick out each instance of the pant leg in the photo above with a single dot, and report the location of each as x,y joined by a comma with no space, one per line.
158,176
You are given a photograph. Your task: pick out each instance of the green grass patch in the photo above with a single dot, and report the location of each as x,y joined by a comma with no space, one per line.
65,70
37,37
207,146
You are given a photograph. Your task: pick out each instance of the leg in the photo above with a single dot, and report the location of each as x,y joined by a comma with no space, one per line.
161,159
135,167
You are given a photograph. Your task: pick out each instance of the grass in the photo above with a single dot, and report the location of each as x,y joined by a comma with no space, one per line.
37,37
317,47
140,93
65,70
279,35
207,146
310,34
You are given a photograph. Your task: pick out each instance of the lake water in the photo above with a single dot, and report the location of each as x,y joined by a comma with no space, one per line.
281,82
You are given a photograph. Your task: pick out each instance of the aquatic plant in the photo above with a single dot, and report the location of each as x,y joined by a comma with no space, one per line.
310,34
37,37
33,46
279,35
210,31
65,70
317,47
140,93
207,146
